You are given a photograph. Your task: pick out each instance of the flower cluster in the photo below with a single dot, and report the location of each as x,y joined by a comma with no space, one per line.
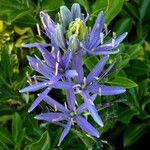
62,68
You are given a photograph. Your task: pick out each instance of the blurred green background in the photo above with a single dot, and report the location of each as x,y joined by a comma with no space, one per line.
127,123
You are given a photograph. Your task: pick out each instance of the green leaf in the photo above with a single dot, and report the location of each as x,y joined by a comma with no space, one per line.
122,81
3,146
51,5
90,62
113,8
127,115
85,4
42,144
132,10
87,140
132,134
143,87
16,127
5,136
123,25
144,6
134,50
138,67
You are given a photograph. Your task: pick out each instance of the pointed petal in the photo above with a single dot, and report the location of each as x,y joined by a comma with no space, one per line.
65,132
83,107
48,23
77,65
66,59
40,67
76,11
104,52
59,36
55,104
47,56
104,47
118,40
105,90
52,117
65,15
62,85
30,45
86,126
71,73
39,99
97,69
92,109
35,87
97,29
71,99
107,71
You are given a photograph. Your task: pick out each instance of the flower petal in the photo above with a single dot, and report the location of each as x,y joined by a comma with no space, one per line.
86,126
83,107
59,36
66,59
105,90
65,15
97,29
65,132
39,99
71,73
92,109
71,99
107,71
52,117
76,11
30,45
40,67
62,85
104,52
77,65
97,69
48,23
55,104
118,40
35,87
47,56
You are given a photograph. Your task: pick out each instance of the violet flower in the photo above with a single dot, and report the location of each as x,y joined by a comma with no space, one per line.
62,68
89,85
52,69
94,40
67,116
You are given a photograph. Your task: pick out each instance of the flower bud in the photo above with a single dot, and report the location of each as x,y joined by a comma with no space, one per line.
74,43
78,28
65,16
59,36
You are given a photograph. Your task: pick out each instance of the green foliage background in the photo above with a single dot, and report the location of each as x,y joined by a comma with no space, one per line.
127,122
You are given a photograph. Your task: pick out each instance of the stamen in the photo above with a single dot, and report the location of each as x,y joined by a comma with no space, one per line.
55,108
84,81
113,42
58,56
65,105
38,29
101,37
56,68
57,119
91,101
100,91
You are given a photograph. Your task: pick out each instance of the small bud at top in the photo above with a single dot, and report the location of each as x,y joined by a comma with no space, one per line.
78,28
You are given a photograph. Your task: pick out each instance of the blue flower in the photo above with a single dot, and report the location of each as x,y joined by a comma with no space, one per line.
94,40
52,69
66,16
67,116
90,85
